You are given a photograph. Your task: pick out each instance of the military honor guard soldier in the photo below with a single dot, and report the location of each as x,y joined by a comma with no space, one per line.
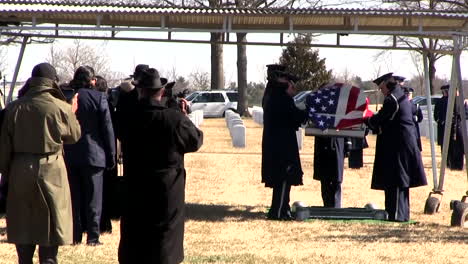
281,165
455,149
398,165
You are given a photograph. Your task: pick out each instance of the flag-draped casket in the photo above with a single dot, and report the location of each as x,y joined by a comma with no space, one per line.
337,109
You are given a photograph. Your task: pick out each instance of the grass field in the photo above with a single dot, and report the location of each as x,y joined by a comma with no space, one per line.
226,205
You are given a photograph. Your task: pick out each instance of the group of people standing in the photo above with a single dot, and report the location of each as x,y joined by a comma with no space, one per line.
397,166
56,145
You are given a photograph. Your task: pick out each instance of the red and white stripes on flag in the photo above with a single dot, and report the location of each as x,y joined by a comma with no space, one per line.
336,105
351,106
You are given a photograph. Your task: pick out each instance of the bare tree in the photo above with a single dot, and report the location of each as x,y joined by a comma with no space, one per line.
200,80
431,46
67,59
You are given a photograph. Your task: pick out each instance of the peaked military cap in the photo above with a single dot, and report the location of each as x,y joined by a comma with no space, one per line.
383,78
445,87
398,78
276,67
407,89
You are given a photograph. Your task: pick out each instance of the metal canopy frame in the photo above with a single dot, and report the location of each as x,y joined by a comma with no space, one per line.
40,18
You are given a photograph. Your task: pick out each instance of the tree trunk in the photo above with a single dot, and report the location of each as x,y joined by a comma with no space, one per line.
241,72
217,69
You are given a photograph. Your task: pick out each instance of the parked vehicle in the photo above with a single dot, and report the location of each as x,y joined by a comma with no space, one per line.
422,102
214,103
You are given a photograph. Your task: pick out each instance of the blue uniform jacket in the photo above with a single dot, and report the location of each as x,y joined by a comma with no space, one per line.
398,160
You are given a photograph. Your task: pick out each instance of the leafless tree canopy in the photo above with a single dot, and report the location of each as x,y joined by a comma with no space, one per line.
200,80
66,59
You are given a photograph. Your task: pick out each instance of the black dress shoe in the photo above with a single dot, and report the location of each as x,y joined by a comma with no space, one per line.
94,243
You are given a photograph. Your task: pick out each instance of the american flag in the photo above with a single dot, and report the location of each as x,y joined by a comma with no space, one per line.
336,105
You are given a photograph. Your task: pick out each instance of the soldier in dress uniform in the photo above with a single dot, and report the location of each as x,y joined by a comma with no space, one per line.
272,69
329,154
281,165
417,113
398,165
455,149
152,222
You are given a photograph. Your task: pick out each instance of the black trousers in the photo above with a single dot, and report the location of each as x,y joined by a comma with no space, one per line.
397,204
47,255
280,201
455,153
355,160
331,193
109,179
86,193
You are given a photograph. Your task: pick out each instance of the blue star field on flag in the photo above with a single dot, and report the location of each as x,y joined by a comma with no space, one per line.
322,105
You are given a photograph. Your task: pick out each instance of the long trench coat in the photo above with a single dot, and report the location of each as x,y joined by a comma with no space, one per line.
152,223
280,152
455,149
33,133
398,161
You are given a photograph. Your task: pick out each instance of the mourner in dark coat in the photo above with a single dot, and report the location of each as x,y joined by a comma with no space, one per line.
110,175
90,156
329,154
398,164
152,222
455,149
417,114
281,165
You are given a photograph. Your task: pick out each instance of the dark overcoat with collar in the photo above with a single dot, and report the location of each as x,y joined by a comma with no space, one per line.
398,160
96,146
152,223
329,155
280,152
417,118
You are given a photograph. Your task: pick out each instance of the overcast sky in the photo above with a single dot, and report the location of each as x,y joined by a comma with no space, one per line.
186,57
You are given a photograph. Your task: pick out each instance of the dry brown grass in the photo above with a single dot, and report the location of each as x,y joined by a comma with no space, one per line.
226,205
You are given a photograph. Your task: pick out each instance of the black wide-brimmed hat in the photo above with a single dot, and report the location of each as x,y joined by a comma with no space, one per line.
382,78
445,87
150,79
139,69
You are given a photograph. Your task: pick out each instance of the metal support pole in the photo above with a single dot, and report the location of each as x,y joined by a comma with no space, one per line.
430,117
17,68
460,103
449,115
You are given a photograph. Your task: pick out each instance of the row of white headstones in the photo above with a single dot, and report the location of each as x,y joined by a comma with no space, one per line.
196,117
236,127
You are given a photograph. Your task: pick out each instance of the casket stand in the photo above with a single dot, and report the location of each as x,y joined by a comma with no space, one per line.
355,132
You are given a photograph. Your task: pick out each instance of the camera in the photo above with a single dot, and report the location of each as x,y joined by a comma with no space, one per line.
174,100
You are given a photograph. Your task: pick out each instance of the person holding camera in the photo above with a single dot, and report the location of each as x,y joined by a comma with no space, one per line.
398,164
281,165
158,137
35,127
